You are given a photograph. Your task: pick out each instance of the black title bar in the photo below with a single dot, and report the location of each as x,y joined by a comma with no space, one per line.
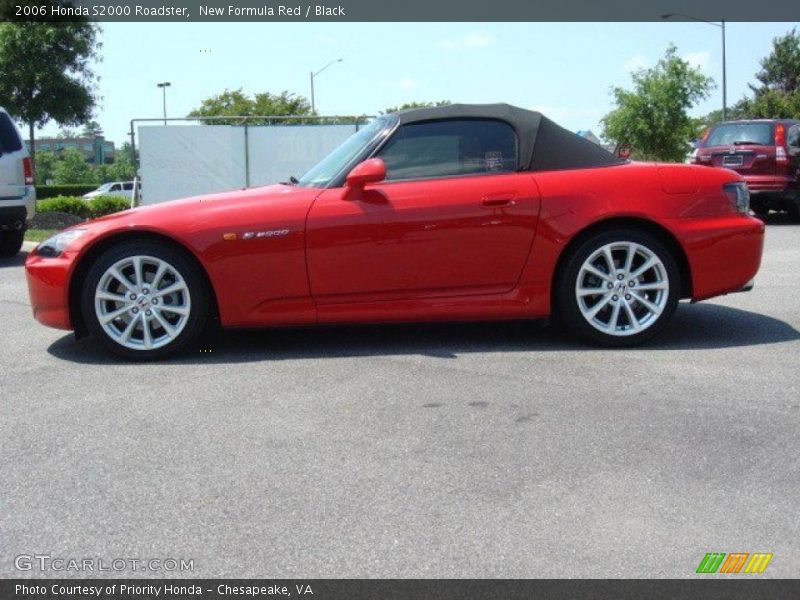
405,10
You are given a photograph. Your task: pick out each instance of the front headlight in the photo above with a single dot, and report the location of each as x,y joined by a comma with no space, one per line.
739,195
54,246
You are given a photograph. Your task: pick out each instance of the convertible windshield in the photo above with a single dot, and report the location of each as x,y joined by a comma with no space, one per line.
346,155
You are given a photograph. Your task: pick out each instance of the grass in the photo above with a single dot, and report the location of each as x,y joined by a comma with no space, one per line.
39,235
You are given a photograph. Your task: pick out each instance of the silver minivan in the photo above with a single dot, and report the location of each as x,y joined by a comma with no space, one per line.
17,193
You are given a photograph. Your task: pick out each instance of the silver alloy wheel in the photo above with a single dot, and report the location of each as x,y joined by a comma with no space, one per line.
142,302
622,288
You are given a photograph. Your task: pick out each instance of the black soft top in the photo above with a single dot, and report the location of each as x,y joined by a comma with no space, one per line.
543,145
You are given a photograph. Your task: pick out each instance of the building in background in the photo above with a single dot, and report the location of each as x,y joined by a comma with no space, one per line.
96,149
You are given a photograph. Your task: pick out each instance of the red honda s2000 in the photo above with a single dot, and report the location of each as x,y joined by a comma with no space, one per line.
453,213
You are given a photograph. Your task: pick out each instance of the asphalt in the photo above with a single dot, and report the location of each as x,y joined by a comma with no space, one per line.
479,450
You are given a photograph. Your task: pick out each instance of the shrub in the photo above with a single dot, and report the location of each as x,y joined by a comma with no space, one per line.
105,205
85,209
73,205
44,192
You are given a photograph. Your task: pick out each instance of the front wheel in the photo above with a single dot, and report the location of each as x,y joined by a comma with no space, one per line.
618,288
144,300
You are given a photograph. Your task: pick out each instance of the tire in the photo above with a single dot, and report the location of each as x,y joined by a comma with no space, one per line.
638,312
140,320
11,242
794,211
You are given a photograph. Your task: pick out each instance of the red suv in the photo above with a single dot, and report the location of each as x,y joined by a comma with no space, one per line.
766,152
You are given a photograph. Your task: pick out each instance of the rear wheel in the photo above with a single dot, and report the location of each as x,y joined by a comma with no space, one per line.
794,211
618,288
144,300
11,242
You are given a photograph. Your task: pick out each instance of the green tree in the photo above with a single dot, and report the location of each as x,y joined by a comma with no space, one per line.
235,103
781,69
120,170
778,96
125,152
45,166
66,133
653,118
407,105
91,129
71,167
777,93
46,72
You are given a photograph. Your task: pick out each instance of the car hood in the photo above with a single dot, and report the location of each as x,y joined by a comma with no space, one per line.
196,222
198,209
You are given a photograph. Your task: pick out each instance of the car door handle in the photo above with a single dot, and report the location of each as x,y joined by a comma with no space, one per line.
495,201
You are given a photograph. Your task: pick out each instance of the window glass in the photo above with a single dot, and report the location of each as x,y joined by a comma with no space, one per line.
115,187
324,172
450,148
127,186
741,133
9,139
793,137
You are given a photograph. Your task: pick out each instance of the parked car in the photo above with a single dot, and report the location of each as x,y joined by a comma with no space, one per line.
113,188
17,193
450,213
766,152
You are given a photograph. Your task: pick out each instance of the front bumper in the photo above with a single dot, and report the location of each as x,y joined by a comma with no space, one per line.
48,288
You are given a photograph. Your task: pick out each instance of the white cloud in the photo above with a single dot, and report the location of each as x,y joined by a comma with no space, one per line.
635,63
477,40
407,83
699,60
470,40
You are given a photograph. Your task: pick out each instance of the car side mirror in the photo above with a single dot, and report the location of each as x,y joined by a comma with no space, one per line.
369,171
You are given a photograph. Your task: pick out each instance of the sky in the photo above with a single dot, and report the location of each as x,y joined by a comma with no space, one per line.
565,70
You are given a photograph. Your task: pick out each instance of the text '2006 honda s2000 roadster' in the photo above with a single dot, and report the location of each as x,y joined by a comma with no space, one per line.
462,212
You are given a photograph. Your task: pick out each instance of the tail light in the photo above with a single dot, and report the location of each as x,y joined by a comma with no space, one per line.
27,168
781,156
738,195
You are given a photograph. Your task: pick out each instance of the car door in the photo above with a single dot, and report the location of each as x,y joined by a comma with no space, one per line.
453,217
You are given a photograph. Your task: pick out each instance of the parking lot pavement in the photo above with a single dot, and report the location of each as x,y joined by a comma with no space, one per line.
485,450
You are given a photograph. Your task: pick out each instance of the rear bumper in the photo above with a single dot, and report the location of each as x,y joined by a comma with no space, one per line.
15,212
724,254
771,185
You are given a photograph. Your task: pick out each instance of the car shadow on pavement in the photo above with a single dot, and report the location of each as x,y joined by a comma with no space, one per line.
13,261
699,326
774,218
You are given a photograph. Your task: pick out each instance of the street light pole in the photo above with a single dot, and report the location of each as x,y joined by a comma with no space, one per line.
164,85
721,25
313,75
724,82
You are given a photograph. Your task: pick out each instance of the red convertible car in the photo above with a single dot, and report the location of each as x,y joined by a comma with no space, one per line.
464,212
